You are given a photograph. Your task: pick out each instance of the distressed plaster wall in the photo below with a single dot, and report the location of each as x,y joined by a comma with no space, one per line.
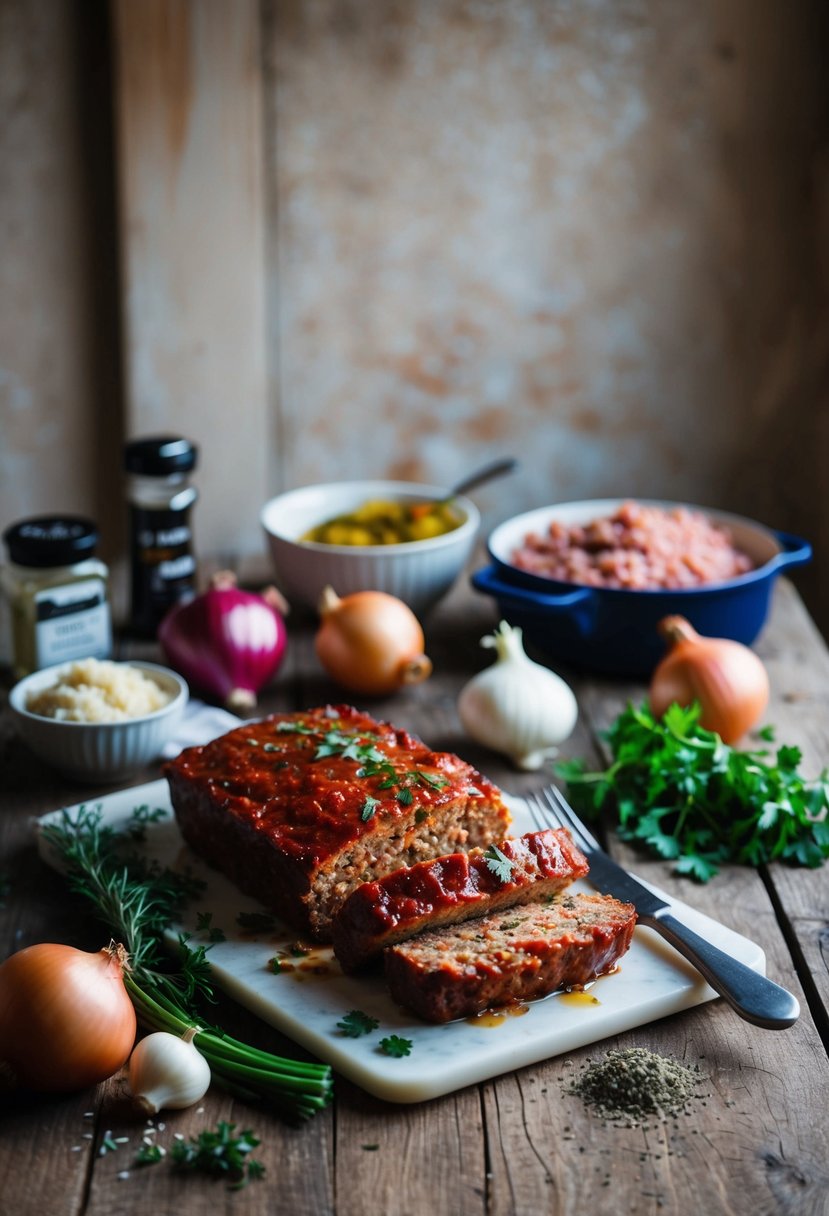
537,226
592,233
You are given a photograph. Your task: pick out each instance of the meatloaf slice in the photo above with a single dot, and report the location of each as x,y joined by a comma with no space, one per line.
514,955
299,809
448,890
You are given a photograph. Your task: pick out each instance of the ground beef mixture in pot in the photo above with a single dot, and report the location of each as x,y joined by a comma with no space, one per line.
638,548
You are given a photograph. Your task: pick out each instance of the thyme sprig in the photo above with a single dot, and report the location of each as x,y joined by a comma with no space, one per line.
138,900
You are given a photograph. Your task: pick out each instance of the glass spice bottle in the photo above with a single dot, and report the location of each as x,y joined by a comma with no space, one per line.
55,593
162,562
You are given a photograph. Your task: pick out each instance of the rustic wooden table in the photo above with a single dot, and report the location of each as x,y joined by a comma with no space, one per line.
515,1144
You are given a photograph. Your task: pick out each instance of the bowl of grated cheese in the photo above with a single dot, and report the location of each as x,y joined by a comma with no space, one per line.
98,720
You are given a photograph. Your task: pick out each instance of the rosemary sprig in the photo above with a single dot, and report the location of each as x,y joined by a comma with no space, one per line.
138,900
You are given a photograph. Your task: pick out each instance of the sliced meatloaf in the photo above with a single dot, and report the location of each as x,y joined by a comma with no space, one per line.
299,809
448,890
514,955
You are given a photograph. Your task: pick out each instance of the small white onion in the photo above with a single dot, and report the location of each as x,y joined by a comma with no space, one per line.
166,1072
517,706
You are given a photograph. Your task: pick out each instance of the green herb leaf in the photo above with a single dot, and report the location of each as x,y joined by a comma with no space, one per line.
369,807
677,789
221,1154
500,865
356,1023
149,1154
395,1046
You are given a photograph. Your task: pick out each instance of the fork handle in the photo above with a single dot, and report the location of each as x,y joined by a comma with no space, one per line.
757,999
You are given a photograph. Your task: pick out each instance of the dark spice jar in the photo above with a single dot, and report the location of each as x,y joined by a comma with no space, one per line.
162,561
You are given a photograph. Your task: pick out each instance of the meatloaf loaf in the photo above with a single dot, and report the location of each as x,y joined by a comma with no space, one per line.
448,890
514,955
299,809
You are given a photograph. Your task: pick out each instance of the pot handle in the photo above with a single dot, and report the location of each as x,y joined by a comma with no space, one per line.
488,582
794,550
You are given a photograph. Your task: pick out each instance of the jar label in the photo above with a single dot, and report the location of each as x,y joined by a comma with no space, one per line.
72,622
163,565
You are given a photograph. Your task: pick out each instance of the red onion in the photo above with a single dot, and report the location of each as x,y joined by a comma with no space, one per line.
226,643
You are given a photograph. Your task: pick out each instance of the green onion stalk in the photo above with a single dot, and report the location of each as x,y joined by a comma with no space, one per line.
138,900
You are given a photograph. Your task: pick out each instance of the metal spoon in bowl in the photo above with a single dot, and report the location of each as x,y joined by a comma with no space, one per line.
495,468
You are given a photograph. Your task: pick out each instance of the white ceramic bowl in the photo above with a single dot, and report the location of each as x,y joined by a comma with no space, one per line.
98,751
418,572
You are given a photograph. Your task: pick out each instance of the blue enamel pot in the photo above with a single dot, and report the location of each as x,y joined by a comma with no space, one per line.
615,631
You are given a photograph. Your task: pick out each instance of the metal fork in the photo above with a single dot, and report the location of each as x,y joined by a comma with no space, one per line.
754,997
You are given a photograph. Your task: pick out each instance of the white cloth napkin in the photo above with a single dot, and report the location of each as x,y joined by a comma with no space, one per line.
198,724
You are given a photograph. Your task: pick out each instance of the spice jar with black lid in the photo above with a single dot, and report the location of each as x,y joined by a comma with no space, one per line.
55,593
162,562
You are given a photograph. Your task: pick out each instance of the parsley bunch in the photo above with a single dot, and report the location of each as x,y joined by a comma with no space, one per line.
693,800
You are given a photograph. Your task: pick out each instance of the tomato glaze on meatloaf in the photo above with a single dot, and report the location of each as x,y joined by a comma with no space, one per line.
448,890
299,809
518,954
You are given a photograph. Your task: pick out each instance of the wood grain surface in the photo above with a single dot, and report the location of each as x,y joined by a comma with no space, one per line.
518,1144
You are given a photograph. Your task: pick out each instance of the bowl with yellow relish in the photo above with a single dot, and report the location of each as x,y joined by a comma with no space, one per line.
407,539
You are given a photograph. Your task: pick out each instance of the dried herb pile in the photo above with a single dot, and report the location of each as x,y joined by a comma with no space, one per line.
635,1085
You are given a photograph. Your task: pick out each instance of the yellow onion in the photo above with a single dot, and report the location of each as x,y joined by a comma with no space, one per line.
725,677
66,1019
370,642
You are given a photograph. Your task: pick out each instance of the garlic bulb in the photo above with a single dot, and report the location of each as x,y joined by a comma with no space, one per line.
167,1072
517,706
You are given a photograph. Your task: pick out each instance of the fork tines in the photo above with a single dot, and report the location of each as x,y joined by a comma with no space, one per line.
550,807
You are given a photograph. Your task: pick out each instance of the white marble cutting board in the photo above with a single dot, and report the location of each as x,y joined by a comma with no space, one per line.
307,1002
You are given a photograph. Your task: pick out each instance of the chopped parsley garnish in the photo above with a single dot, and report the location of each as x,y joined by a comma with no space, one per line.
693,800
149,1154
395,1046
336,743
220,1153
361,747
275,965
369,807
204,924
500,865
356,1023
295,728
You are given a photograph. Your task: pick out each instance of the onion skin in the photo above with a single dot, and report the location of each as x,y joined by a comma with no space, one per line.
227,643
726,677
66,1019
370,642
